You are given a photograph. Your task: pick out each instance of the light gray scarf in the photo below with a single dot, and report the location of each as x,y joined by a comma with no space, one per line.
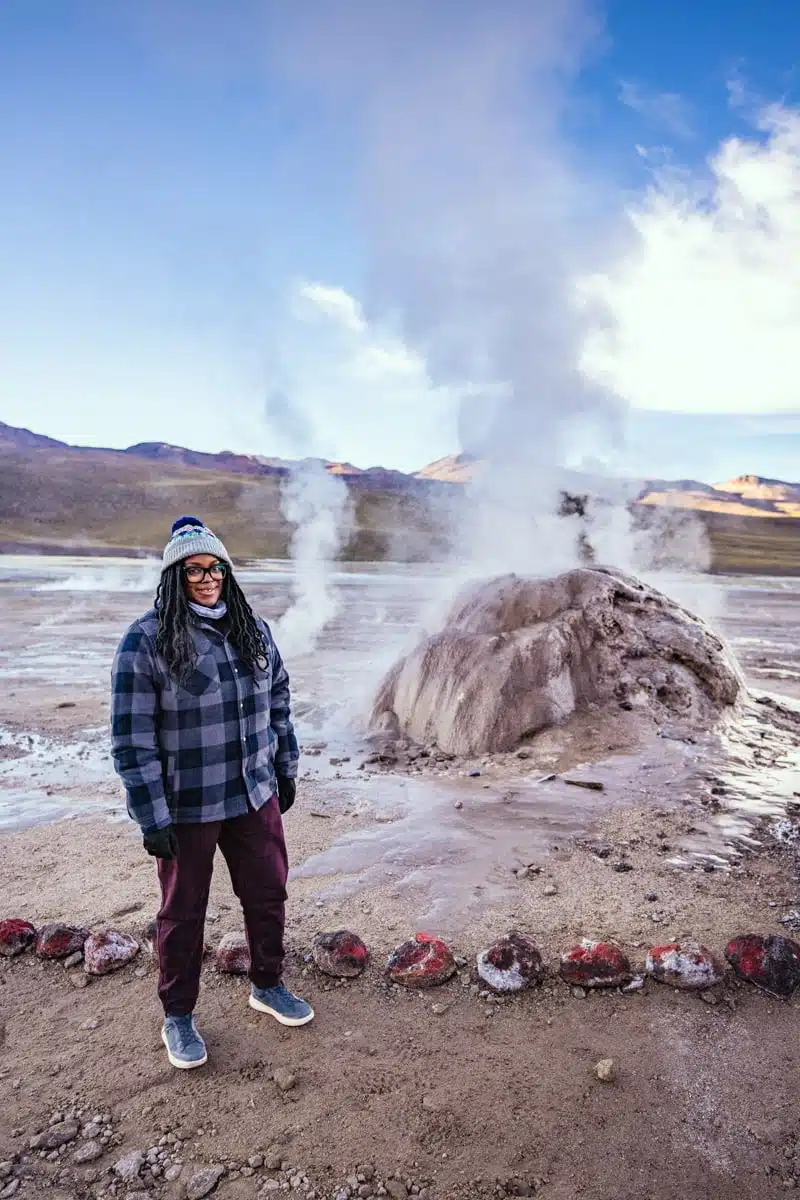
212,614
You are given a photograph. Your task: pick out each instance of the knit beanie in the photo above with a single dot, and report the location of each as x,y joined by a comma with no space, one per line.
190,536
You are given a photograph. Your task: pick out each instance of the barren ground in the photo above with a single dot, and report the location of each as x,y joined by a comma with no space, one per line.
476,1097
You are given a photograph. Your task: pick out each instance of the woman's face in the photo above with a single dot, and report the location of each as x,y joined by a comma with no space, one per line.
205,589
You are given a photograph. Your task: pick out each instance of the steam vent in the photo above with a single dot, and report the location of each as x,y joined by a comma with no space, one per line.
517,655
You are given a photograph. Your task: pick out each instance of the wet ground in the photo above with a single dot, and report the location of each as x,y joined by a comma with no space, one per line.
443,833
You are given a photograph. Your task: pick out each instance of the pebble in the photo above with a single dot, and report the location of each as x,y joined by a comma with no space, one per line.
255,1161
423,961
771,963
396,1189
15,936
88,1152
685,965
9,1190
107,951
5,1169
284,1079
233,954
590,964
172,1173
59,941
273,1158
127,1169
203,1182
73,960
549,889
511,964
605,1071
341,954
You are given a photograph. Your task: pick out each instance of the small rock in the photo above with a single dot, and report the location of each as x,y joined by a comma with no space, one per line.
203,1182
73,960
439,1010
458,804
5,1169
9,1190
15,936
622,866
578,993
771,963
107,951
273,1158
79,981
57,1135
511,964
684,965
595,965
549,889
233,954
172,1173
472,775
284,1079
127,1169
423,961
396,1189
88,1152
341,954
59,941
604,1070
651,897
255,1161
635,985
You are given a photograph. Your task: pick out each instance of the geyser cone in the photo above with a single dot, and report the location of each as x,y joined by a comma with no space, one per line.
517,655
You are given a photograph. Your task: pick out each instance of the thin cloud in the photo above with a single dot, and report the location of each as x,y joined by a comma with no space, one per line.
666,110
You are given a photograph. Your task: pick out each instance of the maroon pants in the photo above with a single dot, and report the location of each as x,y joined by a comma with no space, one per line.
255,851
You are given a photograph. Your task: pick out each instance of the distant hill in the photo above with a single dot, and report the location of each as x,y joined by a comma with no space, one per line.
60,498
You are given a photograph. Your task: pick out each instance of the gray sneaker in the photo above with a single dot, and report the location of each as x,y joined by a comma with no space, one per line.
185,1047
281,1004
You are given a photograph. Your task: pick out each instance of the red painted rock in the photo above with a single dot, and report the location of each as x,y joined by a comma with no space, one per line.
594,965
59,941
511,964
684,965
15,936
771,963
107,951
423,961
342,954
233,954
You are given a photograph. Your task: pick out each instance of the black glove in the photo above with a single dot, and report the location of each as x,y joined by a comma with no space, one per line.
286,793
161,843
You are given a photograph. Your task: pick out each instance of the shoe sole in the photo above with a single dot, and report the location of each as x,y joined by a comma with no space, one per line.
182,1065
265,1008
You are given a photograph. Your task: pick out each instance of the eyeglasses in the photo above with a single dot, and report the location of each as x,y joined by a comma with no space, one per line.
195,573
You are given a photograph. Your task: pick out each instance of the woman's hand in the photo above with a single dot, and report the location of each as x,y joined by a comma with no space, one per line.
286,793
161,843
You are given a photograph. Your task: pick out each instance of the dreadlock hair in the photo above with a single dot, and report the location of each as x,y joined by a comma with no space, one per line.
174,639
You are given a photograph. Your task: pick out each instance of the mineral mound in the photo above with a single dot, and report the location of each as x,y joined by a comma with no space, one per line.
517,655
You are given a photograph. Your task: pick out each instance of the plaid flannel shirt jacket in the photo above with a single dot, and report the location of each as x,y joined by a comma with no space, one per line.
206,749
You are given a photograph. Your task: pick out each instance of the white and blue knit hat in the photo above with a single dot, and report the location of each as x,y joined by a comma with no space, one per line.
190,536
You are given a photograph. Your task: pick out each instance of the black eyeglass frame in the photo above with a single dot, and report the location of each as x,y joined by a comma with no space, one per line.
220,567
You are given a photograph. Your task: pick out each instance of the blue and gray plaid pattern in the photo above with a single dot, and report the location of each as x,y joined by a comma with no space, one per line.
205,750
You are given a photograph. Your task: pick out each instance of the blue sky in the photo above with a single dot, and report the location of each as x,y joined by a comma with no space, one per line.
187,253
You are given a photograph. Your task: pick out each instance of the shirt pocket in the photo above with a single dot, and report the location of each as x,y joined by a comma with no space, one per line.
202,680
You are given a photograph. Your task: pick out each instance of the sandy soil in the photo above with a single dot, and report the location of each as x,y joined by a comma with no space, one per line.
450,1092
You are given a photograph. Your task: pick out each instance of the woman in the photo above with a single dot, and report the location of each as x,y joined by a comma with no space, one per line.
202,738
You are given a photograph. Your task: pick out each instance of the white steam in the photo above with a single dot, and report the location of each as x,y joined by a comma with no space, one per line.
478,225
318,506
